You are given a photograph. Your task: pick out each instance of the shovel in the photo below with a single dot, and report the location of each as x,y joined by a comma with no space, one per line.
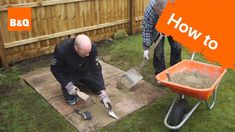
133,75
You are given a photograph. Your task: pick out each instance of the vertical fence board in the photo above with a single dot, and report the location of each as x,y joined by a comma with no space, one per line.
62,17
2,53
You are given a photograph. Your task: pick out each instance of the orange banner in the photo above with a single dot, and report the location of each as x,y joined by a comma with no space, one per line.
204,26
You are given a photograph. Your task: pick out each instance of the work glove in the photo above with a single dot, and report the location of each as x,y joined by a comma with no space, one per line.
105,99
146,54
71,88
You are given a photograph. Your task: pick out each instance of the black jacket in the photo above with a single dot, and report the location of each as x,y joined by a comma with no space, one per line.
67,63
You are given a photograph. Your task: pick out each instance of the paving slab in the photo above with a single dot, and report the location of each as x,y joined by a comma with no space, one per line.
64,109
122,106
50,91
110,71
124,101
147,92
39,78
142,90
113,80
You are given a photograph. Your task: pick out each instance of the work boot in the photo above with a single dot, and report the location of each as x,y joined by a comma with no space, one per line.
73,101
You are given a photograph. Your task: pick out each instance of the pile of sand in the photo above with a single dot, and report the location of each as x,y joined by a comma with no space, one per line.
123,83
193,79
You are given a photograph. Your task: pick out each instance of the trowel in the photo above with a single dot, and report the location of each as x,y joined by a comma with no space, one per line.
111,113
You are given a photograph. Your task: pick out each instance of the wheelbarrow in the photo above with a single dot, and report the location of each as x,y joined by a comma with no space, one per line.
177,114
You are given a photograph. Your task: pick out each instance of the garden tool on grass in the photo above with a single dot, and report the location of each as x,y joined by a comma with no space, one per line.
133,75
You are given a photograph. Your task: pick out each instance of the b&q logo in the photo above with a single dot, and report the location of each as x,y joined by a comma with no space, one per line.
19,19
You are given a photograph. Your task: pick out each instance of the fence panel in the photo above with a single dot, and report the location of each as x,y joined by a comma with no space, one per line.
54,20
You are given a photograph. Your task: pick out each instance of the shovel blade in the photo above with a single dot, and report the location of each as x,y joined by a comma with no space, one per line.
112,114
131,77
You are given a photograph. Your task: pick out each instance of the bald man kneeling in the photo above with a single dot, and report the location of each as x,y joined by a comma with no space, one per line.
75,61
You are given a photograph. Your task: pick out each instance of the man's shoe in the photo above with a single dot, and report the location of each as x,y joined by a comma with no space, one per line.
72,102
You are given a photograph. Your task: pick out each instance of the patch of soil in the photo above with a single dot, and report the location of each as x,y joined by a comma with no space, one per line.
33,63
3,125
121,85
5,90
124,83
192,79
8,89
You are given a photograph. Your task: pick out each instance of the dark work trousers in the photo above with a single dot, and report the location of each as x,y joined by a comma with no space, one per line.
159,59
90,80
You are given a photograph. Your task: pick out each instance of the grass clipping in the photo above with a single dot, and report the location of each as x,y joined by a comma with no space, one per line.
192,79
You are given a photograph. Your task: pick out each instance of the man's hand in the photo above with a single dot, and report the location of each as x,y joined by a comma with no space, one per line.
71,88
146,54
105,99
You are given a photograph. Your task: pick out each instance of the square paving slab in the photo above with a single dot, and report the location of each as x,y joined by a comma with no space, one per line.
125,101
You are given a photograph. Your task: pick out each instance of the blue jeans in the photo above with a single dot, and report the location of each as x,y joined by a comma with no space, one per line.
159,59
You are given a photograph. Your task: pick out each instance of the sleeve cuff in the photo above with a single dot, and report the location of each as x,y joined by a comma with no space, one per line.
145,47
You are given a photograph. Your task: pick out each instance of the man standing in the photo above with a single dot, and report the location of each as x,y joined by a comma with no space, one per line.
149,34
76,60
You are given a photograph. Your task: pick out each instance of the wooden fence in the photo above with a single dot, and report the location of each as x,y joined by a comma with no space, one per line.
55,20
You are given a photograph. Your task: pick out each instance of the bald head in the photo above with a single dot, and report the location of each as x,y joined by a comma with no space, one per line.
82,45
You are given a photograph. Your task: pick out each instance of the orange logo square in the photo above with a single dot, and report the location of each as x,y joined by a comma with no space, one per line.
19,19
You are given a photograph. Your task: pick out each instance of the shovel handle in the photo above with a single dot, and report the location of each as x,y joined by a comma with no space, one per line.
142,64
156,42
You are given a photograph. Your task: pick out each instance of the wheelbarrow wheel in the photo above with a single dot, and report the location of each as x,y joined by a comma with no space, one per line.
177,114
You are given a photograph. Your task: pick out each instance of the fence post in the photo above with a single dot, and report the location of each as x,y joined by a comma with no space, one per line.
2,52
132,17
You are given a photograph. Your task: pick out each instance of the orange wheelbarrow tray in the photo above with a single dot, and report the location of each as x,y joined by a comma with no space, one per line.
215,73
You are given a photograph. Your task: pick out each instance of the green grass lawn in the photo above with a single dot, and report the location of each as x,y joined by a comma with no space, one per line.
23,109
